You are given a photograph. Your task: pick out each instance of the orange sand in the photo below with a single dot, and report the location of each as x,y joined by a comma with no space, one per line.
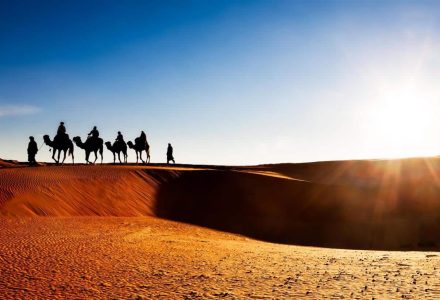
111,231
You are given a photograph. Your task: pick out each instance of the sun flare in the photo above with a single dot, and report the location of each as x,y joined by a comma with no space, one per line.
403,119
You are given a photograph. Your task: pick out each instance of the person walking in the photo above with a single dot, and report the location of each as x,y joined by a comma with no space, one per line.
32,151
170,156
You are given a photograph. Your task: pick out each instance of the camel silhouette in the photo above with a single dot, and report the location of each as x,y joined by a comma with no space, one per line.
91,145
139,148
118,147
58,147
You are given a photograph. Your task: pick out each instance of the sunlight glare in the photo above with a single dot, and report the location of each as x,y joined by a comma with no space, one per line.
402,119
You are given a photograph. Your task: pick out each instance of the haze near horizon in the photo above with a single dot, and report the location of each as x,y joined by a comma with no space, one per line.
226,82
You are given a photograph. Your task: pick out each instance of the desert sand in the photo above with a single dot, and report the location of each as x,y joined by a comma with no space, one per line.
350,229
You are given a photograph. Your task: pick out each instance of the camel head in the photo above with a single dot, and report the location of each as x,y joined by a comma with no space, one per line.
108,145
130,145
47,140
78,141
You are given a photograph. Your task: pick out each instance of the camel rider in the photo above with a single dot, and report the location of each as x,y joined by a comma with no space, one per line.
94,133
32,151
143,138
61,133
120,138
61,129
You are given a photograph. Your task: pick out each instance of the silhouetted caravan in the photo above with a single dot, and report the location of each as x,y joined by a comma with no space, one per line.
32,151
170,156
118,147
58,145
139,146
91,145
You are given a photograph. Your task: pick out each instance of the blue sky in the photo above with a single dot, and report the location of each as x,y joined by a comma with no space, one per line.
226,82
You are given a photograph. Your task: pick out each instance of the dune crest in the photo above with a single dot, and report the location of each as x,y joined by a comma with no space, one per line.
7,163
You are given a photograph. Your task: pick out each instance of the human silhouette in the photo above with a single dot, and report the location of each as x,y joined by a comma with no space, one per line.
143,138
61,136
120,137
170,154
32,151
61,129
94,133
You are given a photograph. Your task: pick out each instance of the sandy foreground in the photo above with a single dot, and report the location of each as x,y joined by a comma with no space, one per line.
189,232
105,257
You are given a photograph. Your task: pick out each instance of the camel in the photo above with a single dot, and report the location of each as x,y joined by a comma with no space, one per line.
58,147
118,147
91,145
139,149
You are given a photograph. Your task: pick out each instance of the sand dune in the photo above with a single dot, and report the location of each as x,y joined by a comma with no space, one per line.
77,191
8,164
110,231
352,204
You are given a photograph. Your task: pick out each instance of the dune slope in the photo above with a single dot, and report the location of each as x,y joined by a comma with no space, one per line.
363,204
78,191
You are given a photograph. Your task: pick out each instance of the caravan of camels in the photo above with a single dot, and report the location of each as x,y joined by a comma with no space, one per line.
63,144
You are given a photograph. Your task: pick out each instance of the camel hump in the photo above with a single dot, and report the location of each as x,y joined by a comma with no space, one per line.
61,138
95,141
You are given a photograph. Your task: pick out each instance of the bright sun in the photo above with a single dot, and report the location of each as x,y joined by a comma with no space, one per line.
402,120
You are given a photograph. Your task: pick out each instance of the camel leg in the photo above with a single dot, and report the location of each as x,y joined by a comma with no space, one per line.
137,158
70,149
114,158
59,155
87,157
96,156
119,157
53,154
64,156
140,155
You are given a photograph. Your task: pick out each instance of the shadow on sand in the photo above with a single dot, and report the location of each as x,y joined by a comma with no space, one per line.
398,216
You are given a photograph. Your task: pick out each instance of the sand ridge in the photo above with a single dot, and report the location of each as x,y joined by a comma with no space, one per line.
8,164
